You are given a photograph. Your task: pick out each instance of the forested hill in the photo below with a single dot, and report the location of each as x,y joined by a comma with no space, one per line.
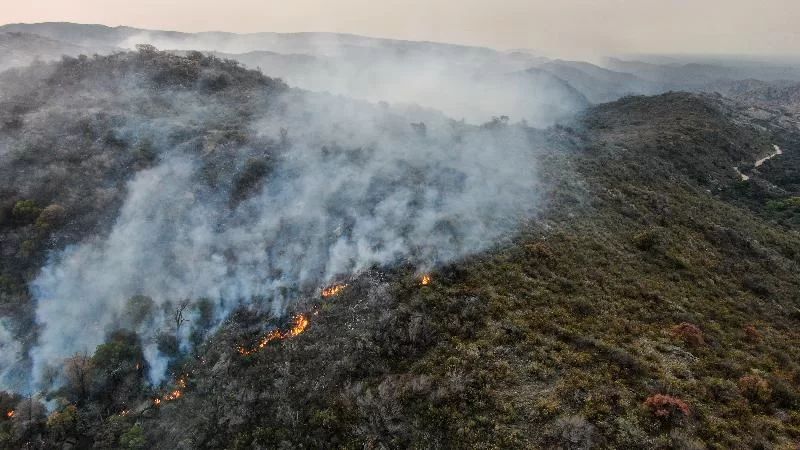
649,300
653,305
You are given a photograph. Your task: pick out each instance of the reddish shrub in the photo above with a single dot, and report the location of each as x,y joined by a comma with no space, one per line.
751,333
667,408
689,333
755,388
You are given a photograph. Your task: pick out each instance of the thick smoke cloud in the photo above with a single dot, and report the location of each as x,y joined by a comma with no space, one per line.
355,185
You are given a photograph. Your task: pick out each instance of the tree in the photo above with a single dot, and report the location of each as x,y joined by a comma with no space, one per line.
134,438
146,49
78,370
179,316
61,423
51,217
139,309
117,371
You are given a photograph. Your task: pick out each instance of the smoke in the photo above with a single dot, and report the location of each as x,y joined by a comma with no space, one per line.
12,357
356,186
449,78
256,195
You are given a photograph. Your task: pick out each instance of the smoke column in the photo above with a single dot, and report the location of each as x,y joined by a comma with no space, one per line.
351,185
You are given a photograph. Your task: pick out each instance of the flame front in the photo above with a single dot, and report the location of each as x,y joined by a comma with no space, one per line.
174,395
426,279
11,413
300,325
334,290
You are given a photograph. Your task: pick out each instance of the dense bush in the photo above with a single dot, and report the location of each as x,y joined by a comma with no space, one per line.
667,408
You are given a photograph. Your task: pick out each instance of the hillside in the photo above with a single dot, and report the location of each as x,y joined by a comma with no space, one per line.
320,44
598,84
609,281
639,280
22,49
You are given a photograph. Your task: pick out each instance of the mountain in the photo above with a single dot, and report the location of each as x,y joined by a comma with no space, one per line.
328,44
531,94
195,255
365,68
679,75
598,84
22,49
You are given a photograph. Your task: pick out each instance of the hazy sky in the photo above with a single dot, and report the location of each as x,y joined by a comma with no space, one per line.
568,27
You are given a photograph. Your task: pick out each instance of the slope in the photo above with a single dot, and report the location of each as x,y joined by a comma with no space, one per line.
641,310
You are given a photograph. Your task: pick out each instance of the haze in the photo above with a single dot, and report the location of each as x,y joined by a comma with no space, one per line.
578,28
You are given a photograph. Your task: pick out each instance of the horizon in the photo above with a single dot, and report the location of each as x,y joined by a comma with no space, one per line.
577,29
687,58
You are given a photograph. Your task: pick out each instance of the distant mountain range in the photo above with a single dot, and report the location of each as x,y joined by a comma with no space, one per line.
398,71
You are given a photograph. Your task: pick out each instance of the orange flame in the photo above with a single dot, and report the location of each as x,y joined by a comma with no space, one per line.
300,325
426,279
174,395
334,290
11,413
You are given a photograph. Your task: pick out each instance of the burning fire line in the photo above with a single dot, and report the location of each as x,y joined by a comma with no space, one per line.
334,290
11,413
174,395
300,325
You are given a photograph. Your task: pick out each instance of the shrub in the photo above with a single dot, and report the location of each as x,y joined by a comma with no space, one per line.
539,250
168,344
51,217
649,239
689,333
755,388
667,408
751,334
25,211
134,438
575,432
61,423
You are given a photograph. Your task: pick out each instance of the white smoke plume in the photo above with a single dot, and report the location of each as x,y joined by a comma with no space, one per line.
356,186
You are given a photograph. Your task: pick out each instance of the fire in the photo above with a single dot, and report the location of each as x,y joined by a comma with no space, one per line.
174,395
11,413
426,279
334,290
125,412
300,325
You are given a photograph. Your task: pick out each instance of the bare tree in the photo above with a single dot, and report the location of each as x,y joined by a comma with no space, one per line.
78,369
180,319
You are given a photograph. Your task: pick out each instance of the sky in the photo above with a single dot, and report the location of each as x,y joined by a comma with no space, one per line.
566,27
